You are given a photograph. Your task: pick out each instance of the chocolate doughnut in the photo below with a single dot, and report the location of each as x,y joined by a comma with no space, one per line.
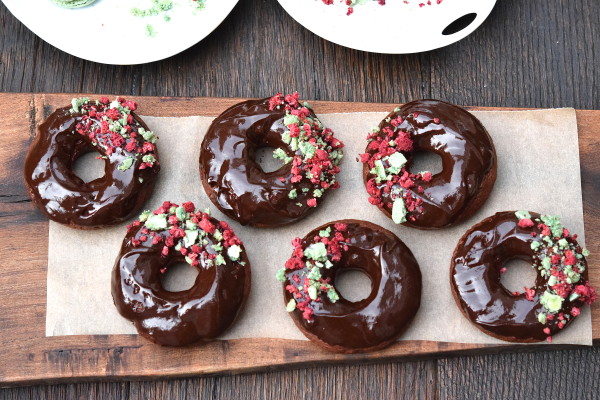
119,136
423,200
167,236
561,287
236,183
328,319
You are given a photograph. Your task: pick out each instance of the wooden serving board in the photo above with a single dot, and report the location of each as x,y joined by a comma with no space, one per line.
28,357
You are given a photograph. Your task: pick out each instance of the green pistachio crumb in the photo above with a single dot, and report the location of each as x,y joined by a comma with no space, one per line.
523,215
218,235
546,263
148,136
144,216
585,252
293,194
397,160
542,318
332,295
399,211
307,149
291,305
574,296
316,251
180,213
220,260
126,164
551,302
379,170
234,252
281,275
280,154
325,232
76,103
535,245
149,158
553,223
157,222
290,119
190,237
312,292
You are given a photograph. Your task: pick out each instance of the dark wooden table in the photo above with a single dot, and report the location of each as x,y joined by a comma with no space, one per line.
528,54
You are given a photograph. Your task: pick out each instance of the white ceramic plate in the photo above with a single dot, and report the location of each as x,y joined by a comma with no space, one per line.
107,33
396,28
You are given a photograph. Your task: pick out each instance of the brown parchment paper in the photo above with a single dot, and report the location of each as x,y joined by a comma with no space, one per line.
538,170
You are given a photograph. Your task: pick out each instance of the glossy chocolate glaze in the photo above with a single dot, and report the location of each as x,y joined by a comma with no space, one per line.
64,197
475,280
176,318
381,317
468,161
235,182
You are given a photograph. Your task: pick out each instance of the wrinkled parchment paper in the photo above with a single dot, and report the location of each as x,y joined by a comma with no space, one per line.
538,170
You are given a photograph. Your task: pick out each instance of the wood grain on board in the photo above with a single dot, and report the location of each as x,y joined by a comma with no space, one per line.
30,357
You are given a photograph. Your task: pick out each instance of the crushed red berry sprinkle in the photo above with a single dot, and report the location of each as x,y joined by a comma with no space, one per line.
110,125
350,4
193,233
303,272
316,152
560,260
391,186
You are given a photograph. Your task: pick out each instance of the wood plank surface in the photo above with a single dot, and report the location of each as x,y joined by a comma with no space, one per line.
31,357
527,54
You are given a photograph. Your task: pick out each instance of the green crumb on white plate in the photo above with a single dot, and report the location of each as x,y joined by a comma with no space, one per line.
72,3
160,8
150,32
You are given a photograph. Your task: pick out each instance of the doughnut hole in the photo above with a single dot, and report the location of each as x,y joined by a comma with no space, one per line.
263,156
353,284
518,275
88,167
423,161
179,277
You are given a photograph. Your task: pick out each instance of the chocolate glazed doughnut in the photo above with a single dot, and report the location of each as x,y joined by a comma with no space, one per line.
170,235
423,200
236,183
120,137
333,322
561,287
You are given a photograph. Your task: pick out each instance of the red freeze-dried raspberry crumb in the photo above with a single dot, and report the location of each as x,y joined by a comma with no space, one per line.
526,223
95,119
393,138
319,168
296,269
561,261
172,236
350,9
